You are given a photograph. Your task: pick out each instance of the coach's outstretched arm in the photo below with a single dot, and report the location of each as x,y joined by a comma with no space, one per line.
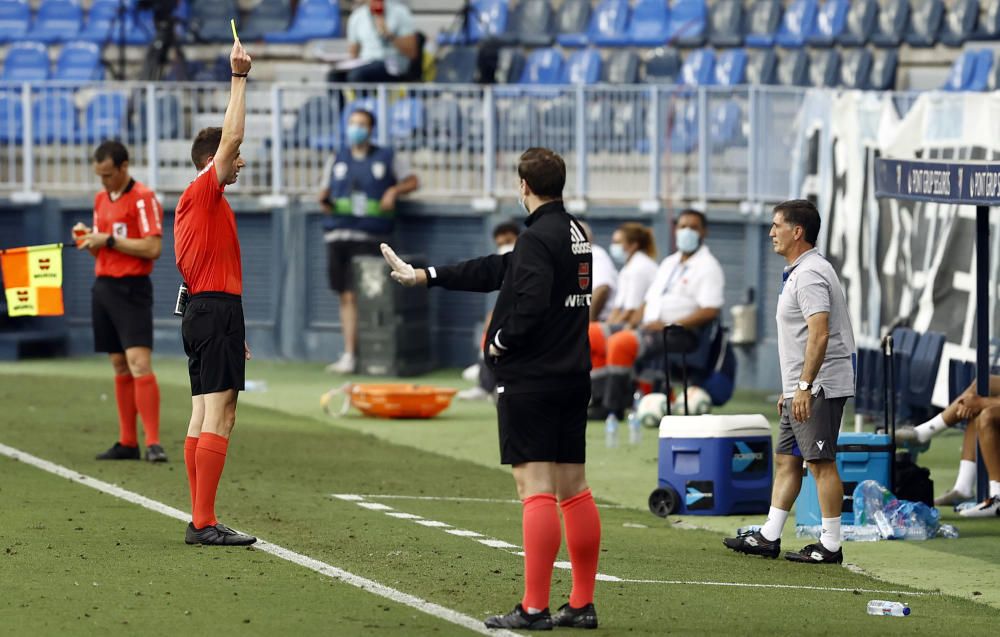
484,274
233,125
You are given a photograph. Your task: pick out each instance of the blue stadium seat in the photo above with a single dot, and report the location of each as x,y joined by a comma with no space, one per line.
15,19
925,22
543,66
407,120
959,22
510,65
583,67
856,68
621,67
54,118
557,118
762,66
824,67
793,68
11,118
456,66
725,126
684,136
663,66
698,68
317,125
962,71
923,371
210,20
688,23
168,119
572,19
763,21
139,28
105,118
487,18
988,24
725,25
273,16
883,74
893,18
861,20
648,26
830,23
731,67
798,24
984,71
56,21
904,345
79,62
609,24
443,125
26,62
530,24
518,123
100,18
313,19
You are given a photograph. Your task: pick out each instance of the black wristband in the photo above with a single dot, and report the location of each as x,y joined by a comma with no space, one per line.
110,243
240,74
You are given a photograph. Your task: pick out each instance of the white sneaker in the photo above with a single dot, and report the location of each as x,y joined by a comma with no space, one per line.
344,365
471,373
989,508
473,393
952,498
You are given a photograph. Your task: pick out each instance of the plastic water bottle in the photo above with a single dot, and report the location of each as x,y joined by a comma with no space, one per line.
889,609
611,431
861,533
634,429
947,531
255,385
812,531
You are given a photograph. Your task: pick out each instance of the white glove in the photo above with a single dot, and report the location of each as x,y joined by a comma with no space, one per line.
402,272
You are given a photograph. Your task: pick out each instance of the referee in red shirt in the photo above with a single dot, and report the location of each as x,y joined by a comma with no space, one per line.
214,334
125,240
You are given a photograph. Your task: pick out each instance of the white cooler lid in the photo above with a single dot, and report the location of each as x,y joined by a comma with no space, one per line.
713,426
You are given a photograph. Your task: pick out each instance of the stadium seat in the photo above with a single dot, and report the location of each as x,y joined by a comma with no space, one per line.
572,19
100,18
621,67
15,19
893,18
443,125
168,119
860,24
456,66
798,24
210,20
313,19
925,22
406,123
55,119
883,73
793,68
26,62
79,62
684,135
988,24
824,68
486,19
725,24
543,66
609,24
923,371
663,66
959,22
698,68
688,23
648,26
317,125
530,24
725,126
762,66
962,71
518,123
139,28
105,118
11,118
763,21
273,16
558,117
583,67
904,344
830,23
856,68
983,74
510,65
56,21
731,67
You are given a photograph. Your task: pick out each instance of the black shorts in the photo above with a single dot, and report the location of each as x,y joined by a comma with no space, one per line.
339,256
549,426
122,313
214,338
815,439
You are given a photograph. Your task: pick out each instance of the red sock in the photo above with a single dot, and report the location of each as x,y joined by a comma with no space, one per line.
210,458
583,539
542,536
190,447
147,399
125,397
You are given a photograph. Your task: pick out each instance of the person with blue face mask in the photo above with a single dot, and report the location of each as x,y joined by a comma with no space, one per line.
364,181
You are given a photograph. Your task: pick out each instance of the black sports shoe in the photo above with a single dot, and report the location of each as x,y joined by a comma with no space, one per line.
519,619
816,554
120,452
570,617
753,543
155,453
218,535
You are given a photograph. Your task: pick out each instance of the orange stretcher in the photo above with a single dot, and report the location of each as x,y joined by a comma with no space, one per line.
393,400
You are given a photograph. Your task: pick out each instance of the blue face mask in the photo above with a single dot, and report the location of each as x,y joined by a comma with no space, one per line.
357,135
688,240
617,252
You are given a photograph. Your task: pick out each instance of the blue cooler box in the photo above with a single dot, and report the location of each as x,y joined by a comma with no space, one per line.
719,465
860,457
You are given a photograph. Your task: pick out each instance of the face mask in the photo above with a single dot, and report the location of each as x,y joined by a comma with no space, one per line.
688,240
523,200
357,135
617,253
506,248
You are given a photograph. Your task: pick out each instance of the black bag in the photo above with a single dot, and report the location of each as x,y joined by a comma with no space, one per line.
912,481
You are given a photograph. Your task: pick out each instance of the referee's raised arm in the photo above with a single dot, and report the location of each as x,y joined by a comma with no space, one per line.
235,121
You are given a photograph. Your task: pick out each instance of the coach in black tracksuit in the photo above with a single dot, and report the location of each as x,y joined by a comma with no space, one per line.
538,348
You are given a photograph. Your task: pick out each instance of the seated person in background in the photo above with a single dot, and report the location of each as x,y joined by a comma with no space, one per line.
605,279
381,34
987,427
633,249
687,290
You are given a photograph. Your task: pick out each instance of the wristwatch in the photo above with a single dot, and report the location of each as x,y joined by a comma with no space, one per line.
110,243
804,386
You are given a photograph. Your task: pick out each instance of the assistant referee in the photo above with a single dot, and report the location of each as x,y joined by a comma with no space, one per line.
537,347
213,330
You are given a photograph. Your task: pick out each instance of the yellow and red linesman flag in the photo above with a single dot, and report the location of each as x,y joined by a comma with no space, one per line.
32,279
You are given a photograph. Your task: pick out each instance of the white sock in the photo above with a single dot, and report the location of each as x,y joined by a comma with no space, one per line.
931,428
965,483
775,523
830,537
995,488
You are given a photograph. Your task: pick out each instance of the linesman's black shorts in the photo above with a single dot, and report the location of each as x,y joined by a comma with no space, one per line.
339,255
122,313
214,338
549,426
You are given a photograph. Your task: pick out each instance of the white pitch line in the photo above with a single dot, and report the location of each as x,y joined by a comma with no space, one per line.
498,544
354,497
365,584
463,533
375,506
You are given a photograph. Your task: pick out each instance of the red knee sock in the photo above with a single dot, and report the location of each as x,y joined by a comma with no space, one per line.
147,399
190,463
210,458
583,539
125,397
542,536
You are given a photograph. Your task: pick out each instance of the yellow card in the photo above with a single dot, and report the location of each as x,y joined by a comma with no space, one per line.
232,23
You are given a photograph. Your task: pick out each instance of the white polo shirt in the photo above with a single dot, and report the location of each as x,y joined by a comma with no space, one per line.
680,289
633,282
604,274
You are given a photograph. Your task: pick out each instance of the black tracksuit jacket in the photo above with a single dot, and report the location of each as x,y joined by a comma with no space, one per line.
541,315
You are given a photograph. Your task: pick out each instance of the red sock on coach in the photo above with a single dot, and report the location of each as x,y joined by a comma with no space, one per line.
190,463
125,397
583,539
147,400
210,458
542,536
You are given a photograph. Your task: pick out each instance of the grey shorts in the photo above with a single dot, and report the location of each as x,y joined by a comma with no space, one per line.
815,439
